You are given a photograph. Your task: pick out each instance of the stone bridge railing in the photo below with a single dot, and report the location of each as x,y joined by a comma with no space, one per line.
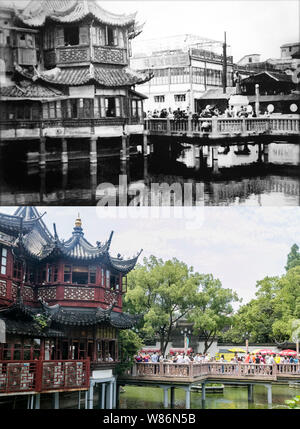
217,127
193,370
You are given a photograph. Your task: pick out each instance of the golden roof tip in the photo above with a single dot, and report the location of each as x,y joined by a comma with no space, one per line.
78,222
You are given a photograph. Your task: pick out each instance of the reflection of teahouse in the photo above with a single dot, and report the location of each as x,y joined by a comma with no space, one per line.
61,302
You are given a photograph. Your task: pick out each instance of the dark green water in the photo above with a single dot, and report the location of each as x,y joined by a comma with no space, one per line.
231,398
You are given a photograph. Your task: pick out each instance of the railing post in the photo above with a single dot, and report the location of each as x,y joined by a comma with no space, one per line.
39,375
161,368
214,126
189,124
191,369
168,126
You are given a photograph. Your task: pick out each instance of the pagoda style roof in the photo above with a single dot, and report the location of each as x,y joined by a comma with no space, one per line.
77,247
16,224
29,90
22,318
36,13
76,316
103,75
37,242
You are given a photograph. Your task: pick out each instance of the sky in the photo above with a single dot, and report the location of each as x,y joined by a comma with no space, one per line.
238,245
253,26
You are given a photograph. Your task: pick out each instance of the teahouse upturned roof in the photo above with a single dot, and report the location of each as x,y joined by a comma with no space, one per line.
20,318
37,241
29,90
16,224
68,11
107,76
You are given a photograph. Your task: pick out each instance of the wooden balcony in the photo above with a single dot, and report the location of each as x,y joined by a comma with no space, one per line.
77,127
66,55
41,376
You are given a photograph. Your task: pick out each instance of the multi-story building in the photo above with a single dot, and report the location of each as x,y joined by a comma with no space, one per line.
65,74
184,67
60,310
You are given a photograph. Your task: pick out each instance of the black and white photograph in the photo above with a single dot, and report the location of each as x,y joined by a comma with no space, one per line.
149,209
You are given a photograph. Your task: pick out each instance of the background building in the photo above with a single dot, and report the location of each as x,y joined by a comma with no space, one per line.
184,66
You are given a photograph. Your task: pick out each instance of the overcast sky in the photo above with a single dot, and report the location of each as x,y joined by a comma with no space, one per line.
237,245
253,26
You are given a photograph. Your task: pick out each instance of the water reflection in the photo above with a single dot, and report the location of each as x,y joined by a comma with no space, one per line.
245,174
232,398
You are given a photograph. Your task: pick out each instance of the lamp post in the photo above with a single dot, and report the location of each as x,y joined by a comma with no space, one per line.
246,335
185,332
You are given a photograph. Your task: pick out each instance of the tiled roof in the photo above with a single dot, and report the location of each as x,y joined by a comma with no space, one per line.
124,266
104,76
67,11
217,93
13,224
278,76
26,89
22,327
77,247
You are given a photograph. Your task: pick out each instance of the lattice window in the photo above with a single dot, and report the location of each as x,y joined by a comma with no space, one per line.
47,293
14,290
3,254
3,288
79,293
28,293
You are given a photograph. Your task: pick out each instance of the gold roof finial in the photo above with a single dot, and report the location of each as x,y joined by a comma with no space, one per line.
78,222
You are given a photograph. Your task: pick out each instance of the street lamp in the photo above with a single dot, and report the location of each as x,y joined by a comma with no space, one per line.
246,336
185,332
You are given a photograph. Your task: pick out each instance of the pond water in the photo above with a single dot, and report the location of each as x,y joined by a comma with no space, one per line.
232,398
249,174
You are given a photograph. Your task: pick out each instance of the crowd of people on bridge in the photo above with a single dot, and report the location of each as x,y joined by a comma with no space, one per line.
249,358
207,112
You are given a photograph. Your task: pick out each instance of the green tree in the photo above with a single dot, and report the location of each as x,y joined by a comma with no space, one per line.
269,317
293,258
130,343
164,292
213,309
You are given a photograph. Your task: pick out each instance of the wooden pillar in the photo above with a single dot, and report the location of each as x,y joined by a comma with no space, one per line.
103,396
172,397
203,392
31,402
79,399
64,151
266,153
110,400
215,160
114,394
166,401
188,398
124,148
93,149
37,401
56,400
86,399
91,397
250,392
269,393
145,144
42,161
257,99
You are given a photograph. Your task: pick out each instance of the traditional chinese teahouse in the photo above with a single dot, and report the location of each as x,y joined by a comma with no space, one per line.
67,75
60,309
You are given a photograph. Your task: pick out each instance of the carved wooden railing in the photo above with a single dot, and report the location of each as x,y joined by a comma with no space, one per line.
43,376
224,370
